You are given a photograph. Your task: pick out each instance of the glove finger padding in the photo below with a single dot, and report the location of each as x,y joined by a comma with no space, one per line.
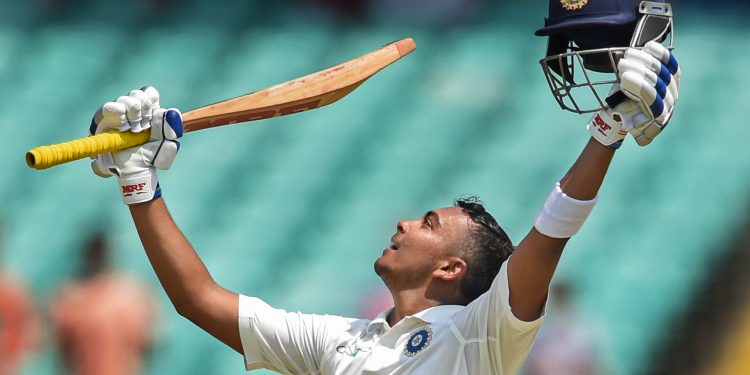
153,94
146,108
149,99
112,115
650,77
133,114
640,90
104,166
626,65
166,129
666,57
645,59
670,72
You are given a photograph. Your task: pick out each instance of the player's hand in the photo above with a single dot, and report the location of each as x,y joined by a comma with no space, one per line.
135,166
651,78
607,125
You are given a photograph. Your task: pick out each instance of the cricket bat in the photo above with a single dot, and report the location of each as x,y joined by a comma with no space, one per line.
298,95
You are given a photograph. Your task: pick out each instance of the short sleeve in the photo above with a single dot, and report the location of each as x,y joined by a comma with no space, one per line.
286,342
489,320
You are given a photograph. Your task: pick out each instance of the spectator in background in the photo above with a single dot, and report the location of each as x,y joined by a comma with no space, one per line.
441,13
564,345
19,322
103,320
346,8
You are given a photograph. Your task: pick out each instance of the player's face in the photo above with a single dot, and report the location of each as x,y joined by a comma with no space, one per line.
418,246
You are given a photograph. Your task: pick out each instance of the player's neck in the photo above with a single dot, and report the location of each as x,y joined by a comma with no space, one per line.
409,302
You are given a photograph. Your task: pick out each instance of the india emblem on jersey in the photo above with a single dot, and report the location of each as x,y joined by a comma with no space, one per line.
573,4
418,342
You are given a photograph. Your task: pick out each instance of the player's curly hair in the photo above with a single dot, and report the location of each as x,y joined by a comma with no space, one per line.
487,248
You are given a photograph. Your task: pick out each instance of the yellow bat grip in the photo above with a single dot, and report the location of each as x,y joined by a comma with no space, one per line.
44,157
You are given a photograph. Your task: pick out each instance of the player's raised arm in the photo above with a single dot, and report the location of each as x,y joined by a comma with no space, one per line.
190,287
181,272
649,78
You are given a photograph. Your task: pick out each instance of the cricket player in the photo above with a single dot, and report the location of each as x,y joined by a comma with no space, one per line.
467,301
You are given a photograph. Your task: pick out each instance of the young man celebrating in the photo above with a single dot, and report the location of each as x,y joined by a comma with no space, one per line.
463,303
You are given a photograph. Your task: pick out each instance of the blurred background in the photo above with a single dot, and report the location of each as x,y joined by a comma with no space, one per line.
295,210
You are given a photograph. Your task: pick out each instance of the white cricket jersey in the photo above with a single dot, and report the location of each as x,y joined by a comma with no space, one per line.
481,338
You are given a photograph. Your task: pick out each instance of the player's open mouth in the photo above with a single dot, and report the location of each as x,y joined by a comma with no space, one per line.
394,245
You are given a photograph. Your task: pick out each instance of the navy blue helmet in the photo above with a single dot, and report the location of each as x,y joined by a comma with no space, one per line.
587,36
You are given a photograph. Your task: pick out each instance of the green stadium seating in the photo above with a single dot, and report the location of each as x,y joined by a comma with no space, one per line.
295,210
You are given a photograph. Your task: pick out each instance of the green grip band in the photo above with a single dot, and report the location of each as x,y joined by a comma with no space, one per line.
44,157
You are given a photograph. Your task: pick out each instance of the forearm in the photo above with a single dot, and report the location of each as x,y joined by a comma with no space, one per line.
183,275
585,177
536,257
181,272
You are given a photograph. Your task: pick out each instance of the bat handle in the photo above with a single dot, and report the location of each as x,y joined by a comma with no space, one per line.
44,157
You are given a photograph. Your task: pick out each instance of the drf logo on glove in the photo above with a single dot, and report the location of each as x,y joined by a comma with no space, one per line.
128,190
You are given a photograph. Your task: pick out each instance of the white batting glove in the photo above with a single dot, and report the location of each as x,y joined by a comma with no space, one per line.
650,77
136,167
608,125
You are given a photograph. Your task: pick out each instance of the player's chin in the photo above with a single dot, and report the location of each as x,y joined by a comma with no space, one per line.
388,255
381,265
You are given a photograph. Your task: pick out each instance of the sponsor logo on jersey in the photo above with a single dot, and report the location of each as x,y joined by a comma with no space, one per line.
418,341
352,349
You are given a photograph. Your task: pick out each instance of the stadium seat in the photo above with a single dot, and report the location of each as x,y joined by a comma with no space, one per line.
296,209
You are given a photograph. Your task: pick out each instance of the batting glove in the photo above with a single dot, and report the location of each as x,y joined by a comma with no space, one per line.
651,78
607,125
135,167
650,82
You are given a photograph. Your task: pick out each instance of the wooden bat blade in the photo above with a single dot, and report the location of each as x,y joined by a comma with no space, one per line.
298,95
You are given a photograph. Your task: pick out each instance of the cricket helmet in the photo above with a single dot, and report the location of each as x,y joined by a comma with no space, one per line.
586,39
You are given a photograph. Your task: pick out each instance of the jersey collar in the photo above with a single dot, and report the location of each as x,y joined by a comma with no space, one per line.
438,312
427,315
381,321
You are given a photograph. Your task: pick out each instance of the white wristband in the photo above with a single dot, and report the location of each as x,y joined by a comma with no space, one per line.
562,216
